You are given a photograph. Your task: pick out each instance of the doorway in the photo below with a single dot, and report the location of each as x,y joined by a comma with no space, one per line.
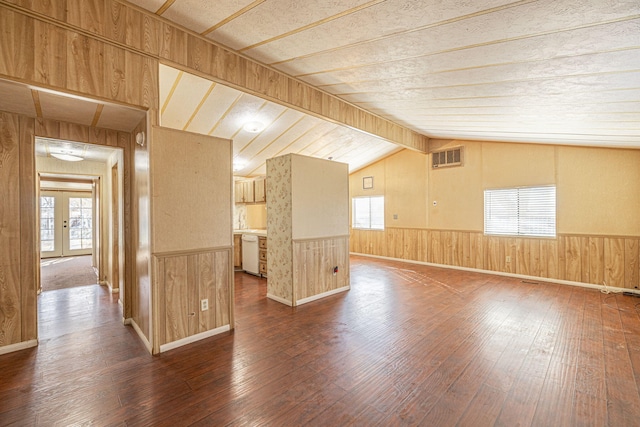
80,212
66,223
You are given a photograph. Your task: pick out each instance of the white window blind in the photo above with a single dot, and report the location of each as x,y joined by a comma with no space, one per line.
527,211
368,213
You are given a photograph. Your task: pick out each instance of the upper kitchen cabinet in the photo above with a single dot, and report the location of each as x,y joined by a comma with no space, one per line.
251,190
244,191
259,190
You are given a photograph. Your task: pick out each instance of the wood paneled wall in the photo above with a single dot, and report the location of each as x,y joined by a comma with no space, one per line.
313,263
18,229
55,44
182,280
18,254
586,259
110,49
38,50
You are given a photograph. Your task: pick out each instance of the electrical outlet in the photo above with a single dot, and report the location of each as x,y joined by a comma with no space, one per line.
508,258
204,304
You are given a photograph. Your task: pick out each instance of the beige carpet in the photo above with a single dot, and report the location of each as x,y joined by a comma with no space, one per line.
67,272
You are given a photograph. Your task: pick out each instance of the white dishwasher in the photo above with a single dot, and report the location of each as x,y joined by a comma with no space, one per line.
250,254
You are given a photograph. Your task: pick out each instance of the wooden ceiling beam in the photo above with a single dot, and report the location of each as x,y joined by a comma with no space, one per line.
173,45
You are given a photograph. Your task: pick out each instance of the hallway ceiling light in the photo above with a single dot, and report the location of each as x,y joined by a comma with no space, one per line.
67,157
253,127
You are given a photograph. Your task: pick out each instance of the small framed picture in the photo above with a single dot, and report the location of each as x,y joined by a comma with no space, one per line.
367,182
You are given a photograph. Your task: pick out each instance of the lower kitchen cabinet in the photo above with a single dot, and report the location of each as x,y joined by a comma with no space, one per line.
237,251
262,244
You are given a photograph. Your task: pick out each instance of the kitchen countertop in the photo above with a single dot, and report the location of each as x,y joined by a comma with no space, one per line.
254,231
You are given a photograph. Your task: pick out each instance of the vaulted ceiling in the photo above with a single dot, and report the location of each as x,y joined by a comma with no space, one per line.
194,104
546,71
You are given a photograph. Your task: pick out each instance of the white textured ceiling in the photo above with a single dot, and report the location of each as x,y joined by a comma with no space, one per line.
550,71
37,102
44,147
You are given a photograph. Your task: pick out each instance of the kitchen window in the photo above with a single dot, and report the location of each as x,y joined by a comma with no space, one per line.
523,211
368,213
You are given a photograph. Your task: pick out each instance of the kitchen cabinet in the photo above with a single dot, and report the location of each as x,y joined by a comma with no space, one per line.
259,190
262,245
244,191
237,251
251,190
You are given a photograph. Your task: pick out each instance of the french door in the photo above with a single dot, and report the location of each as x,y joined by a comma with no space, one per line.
66,223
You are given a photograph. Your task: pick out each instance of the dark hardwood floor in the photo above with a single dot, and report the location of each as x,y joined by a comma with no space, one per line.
408,345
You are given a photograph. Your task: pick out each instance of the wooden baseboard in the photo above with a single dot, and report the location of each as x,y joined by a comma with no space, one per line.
110,286
280,300
194,338
322,295
608,289
18,346
136,328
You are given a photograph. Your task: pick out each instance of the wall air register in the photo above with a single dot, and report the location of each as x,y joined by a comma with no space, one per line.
447,158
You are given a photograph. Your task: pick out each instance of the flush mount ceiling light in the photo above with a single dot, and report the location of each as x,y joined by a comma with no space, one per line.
238,164
67,157
253,126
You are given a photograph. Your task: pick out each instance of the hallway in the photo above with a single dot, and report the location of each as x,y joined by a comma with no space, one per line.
66,272
408,345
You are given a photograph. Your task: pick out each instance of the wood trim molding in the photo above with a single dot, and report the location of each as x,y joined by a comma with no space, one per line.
315,239
141,335
191,251
194,338
18,346
322,295
280,300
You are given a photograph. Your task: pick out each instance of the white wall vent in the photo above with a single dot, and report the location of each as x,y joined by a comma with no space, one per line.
447,158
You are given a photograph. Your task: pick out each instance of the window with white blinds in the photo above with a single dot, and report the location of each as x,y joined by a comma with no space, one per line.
368,213
526,211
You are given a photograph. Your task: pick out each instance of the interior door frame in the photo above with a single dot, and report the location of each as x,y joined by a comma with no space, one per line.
67,179
115,228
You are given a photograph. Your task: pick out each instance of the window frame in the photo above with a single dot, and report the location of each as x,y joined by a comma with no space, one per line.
353,213
524,227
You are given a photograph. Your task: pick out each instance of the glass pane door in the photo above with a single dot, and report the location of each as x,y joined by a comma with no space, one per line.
66,224
50,227
77,224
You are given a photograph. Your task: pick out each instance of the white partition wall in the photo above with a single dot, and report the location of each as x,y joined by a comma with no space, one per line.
307,228
191,236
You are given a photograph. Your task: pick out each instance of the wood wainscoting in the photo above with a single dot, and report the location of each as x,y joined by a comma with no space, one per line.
613,260
313,267
182,281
